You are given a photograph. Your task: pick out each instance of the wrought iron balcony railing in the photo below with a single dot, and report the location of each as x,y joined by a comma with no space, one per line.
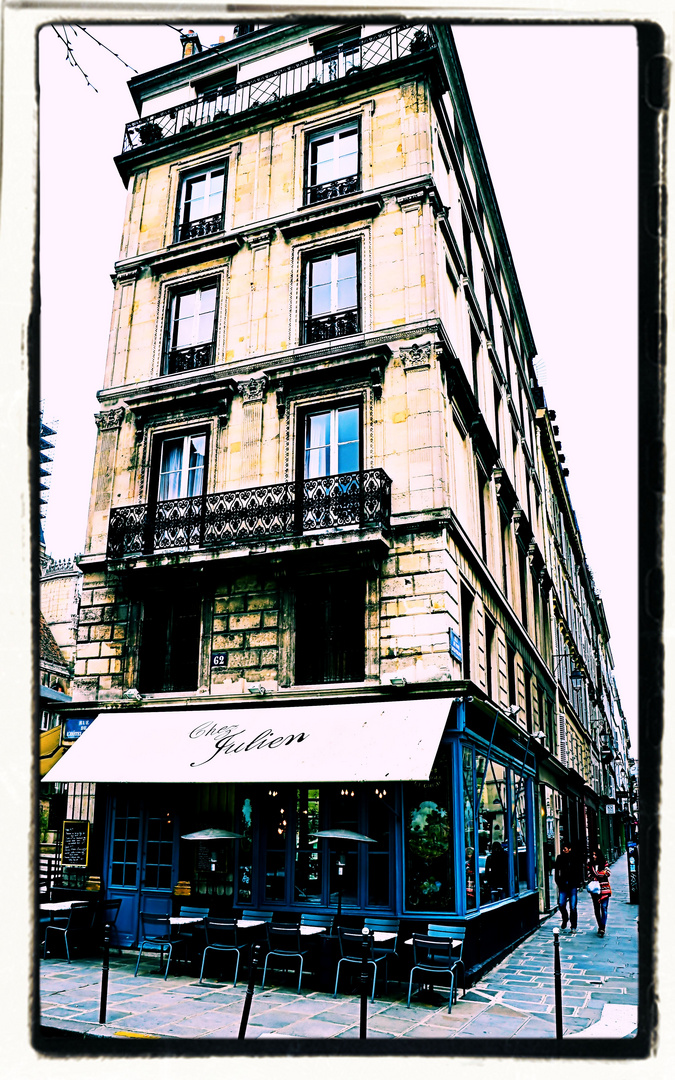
333,189
194,230
306,75
325,327
189,358
251,514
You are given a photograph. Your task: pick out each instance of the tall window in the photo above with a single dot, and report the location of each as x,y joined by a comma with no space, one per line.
332,442
490,630
331,295
169,648
511,673
339,58
429,876
330,629
504,538
181,467
522,575
332,163
493,831
482,494
190,331
200,208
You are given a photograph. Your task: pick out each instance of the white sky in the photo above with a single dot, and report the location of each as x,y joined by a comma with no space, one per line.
556,108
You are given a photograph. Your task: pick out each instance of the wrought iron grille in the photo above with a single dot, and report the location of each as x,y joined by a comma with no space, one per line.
194,356
206,226
337,324
383,48
333,189
262,513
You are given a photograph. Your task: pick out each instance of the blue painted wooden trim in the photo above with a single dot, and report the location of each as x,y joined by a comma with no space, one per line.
457,787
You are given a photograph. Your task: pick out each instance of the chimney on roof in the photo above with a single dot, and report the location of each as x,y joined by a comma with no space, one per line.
191,44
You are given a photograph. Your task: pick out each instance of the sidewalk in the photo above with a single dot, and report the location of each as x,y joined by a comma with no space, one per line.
515,1000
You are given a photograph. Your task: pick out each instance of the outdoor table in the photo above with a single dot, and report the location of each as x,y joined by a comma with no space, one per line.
62,905
380,936
308,931
453,940
183,920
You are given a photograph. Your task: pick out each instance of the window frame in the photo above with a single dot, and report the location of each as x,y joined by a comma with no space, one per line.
341,653
332,405
315,136
315,255
206,170
186,288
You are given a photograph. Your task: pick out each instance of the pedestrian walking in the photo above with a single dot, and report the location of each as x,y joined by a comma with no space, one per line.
598,870
567,872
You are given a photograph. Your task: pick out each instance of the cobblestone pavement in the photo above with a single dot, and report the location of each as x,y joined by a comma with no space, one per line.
515,1000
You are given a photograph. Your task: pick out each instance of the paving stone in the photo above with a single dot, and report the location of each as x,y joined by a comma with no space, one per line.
391,1024
312,1029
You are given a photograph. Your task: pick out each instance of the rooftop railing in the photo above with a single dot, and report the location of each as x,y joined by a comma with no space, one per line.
306,75
250,515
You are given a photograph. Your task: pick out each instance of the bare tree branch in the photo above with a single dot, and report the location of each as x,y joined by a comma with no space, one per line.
116,55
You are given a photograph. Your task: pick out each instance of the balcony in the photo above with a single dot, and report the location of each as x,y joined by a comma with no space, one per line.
189,358
248,515
197,230
333,189
336,324
305,76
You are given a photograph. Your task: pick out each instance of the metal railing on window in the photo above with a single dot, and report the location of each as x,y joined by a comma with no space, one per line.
305,76
333,189
195,230
337,324
356,499
188,359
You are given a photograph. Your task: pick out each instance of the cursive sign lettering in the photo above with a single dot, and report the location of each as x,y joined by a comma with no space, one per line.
226,740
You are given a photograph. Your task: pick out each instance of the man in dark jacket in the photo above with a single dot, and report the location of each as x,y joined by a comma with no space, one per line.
567,877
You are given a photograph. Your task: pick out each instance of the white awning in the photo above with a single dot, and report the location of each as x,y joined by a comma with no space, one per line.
394,740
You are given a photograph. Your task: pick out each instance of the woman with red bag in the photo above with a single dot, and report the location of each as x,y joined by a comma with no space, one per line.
598,871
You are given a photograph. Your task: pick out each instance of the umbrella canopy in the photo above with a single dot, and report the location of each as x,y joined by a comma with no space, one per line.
343,834
212,834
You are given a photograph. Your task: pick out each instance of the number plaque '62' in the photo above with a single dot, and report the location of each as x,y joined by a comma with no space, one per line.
219,659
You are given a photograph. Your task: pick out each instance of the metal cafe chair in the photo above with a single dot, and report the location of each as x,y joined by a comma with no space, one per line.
156,934
312,919
222,936
191,933
458,934
266,916
284,941
432,956
80,922
351,946
388,925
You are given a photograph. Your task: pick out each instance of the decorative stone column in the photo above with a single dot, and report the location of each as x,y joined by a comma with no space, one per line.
253,395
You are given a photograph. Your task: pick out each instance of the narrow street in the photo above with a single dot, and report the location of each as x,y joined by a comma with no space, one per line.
515,1000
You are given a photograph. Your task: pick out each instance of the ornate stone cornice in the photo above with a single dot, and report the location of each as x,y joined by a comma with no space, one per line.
253,389
416,355
409,198
261,239
110,419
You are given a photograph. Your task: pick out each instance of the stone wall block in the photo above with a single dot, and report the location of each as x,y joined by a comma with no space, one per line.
98,667
91,615
249,621
262,638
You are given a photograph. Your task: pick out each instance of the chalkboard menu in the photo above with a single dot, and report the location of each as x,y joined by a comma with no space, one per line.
75,843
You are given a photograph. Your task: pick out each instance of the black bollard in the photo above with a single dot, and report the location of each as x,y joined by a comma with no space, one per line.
558,984
249,993
104,974
365,953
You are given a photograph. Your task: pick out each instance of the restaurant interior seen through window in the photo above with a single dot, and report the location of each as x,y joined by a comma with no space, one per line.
281,863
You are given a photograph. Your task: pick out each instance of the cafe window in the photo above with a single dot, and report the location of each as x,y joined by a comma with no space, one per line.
429,875
331,292
170,640
332,168
330,642
125,843
298,869
520,834
200,208
493,831
470,857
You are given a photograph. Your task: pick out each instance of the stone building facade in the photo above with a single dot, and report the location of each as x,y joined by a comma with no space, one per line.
321,473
